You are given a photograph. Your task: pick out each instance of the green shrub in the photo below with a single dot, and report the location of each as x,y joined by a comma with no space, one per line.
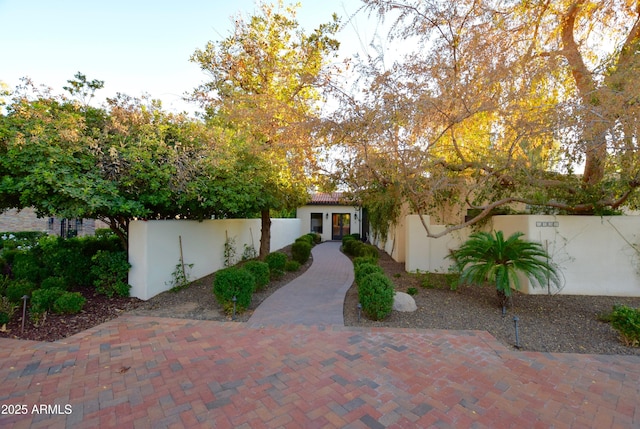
19,288
626,321
363,270
300,251
54,282
7,307
292,266
230,282
375,293
4,282
27,266
315,237
355,236
367,251
347,238
260,271
364,260
276,261
42,299
352,247
110,271
306,238
9,255
69,303
4,318
412,291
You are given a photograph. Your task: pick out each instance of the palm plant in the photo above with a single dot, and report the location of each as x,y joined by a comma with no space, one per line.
487,257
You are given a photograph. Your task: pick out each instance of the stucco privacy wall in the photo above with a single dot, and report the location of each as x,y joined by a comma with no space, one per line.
596,255
429,254
154,248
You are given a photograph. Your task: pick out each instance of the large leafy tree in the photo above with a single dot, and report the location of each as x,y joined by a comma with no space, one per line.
501,103
126,160
264,85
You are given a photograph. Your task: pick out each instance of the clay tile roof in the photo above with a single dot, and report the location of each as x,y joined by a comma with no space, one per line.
334,198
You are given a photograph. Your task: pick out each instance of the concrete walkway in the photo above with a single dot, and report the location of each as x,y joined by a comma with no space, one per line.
314,298
152,372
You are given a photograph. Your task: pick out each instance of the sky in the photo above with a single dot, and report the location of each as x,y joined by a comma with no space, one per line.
139,46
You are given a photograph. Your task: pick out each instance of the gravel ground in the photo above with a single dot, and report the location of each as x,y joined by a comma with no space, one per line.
547,323
556,323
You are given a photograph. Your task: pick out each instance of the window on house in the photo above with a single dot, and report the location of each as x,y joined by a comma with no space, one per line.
316,223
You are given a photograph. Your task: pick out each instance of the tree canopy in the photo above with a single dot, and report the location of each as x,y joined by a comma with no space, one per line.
500,103
265,81
128,159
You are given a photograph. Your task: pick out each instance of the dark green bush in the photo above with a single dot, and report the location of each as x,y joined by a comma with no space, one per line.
27,266
69,303
363,270
626,321
19,288
230,282
4,282
292,266
276,261
315,237
42,299
9,255
352,247
364,260
367,251
4,318
54,282
347,238
260,271
375,293
306,238
300,251
110,271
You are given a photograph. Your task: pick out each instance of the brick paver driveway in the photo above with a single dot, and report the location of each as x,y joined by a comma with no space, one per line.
140,372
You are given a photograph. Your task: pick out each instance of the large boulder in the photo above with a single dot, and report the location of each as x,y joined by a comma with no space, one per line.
404,302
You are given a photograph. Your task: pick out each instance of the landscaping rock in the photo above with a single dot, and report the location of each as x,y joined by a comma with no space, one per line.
404,302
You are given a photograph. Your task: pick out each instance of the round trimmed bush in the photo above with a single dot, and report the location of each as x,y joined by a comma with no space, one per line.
42,299
233,281
364,260
375,293
69,303
300,251
292,266
276,261
363,270
368,251
260,271
306,238
347,238
315,237
352,247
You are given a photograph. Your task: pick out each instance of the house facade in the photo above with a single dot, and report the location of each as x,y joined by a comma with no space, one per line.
332,216
26,219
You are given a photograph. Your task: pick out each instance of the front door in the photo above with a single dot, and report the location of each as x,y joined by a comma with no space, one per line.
340,225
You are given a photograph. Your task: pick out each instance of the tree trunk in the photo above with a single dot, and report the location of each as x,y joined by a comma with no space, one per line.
265,234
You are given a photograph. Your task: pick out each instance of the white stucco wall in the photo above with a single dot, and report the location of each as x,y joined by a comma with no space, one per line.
154,248
429,254
304,214
596,255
